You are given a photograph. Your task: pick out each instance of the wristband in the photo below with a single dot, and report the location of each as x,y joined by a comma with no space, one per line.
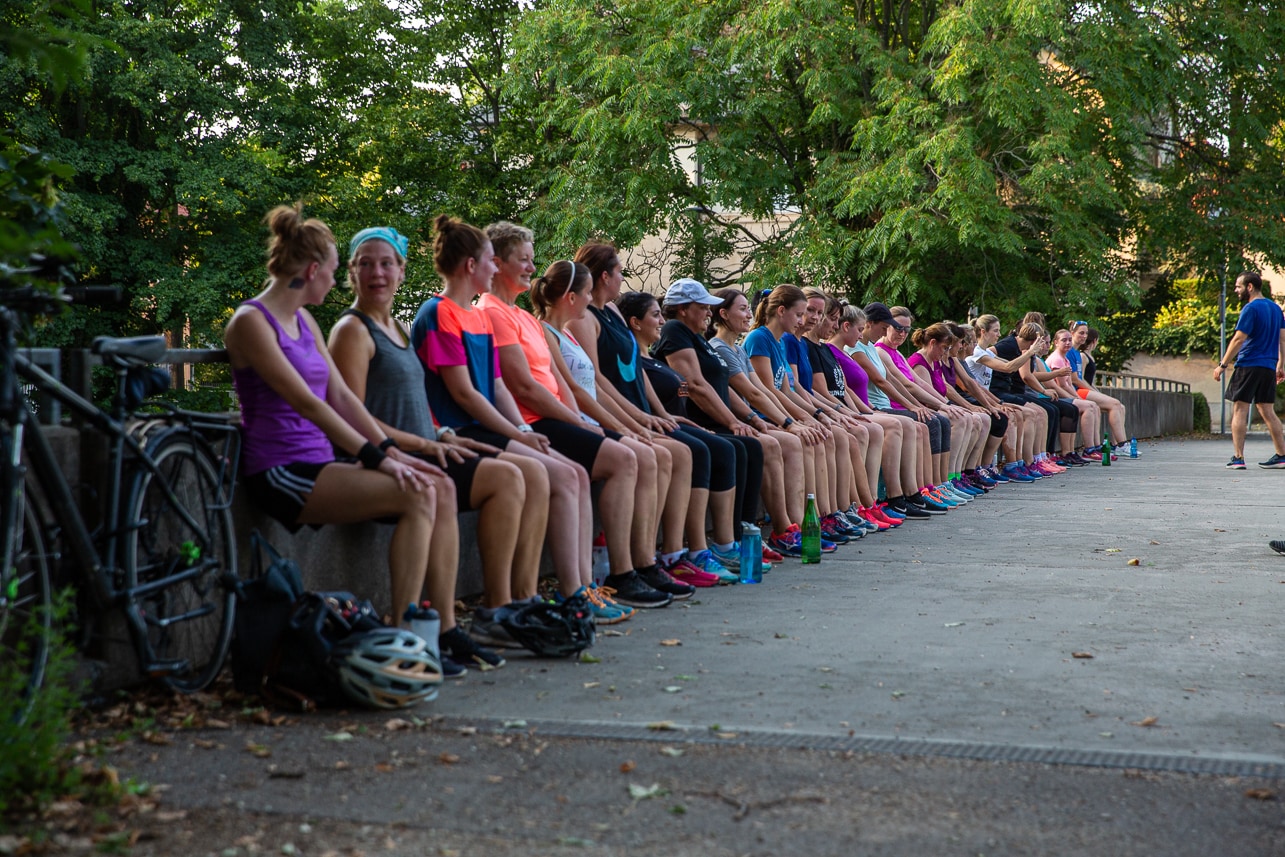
789,421
816,415
387,442
370,456
445,432
525,429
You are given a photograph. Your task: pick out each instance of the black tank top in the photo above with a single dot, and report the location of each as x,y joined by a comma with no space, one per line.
618,356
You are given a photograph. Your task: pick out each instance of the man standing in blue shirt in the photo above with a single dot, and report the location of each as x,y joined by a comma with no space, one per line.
1258,347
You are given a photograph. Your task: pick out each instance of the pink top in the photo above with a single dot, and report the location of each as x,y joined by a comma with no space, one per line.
900,363
272,432
934,371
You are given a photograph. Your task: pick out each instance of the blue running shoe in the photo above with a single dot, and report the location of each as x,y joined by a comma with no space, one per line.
706,562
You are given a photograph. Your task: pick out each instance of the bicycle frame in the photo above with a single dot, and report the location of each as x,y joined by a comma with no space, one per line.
102,567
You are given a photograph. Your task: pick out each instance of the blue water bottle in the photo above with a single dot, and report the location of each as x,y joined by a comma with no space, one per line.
751,554
1133,447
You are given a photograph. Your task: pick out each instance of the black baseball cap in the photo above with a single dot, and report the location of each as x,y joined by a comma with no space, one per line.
877,313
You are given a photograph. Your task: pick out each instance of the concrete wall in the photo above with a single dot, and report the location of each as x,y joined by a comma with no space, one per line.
1155,414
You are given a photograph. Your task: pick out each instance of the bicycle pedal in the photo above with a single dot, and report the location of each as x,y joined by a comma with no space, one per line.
161,669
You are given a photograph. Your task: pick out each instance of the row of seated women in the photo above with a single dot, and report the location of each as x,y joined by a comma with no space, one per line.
688,431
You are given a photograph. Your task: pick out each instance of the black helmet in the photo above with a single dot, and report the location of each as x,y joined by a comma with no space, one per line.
552,630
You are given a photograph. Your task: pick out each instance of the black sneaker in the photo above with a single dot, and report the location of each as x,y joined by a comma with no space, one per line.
450,669
631,590
928,504
661,581
1276,462
1277,545
486,630
909,510
459,647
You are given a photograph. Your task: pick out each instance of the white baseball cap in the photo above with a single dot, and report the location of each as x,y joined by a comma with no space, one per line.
689,291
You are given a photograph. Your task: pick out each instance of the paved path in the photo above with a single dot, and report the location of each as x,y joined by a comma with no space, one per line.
837,691
965,629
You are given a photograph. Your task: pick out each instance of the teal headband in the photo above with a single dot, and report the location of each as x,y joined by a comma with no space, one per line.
395,239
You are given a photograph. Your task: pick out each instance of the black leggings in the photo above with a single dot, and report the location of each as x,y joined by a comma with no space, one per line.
713,459
749,478
1058,416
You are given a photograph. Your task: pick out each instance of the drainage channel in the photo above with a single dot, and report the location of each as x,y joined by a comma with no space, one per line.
1190,763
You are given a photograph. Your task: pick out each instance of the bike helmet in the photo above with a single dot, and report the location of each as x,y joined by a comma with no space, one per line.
552,630
387,668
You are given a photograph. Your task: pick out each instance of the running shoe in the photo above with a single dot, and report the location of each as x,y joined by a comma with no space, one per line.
684,571
827,546
708,563
831,532
1276,462
855,519
788,543
459,647
771,556
840,524
931,492
602,607
961,486
660,580
927,503
630,590
486,629
1237,463
998,474
877,520
1092,455
894,513
909,510
1015,472
450,669
1277,545
730,560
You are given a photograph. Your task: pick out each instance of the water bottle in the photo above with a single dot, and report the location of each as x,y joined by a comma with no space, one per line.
751,554
601,559
811,532
1106,452
1133,447
426,624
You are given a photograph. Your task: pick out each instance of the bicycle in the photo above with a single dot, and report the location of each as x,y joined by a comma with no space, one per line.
164,553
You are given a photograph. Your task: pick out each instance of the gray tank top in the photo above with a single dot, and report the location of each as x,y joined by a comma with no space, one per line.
395,384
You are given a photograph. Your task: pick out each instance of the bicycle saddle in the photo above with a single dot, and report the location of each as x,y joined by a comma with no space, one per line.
130,351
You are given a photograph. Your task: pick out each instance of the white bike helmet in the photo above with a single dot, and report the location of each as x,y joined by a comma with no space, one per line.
387,668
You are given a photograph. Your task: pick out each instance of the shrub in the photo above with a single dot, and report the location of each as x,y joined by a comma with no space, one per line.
33,769
1200,413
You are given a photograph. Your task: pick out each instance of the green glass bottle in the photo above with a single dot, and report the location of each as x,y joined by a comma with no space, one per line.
811,532
1106,451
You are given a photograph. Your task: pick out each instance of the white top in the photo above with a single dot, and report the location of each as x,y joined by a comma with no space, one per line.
980,372
578,364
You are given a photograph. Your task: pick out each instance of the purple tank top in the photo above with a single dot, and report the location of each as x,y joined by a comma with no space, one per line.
934,371
854,376
272,432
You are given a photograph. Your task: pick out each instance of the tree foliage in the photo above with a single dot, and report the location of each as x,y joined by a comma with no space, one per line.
997,154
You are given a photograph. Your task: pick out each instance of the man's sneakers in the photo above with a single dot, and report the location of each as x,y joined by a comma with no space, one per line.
1277,545
1276,462
487,630
1237,463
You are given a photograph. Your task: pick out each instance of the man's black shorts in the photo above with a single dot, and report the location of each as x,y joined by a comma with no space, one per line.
1254,384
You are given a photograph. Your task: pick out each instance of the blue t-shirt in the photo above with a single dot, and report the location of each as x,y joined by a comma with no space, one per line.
761,343
1261,320
796,354
1076,361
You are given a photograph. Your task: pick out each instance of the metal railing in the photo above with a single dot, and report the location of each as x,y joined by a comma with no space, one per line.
1128,381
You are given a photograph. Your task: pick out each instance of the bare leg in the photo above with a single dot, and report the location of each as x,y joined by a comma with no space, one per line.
617,468
1268,415
788,494
569,535
347,493
524,577
673,518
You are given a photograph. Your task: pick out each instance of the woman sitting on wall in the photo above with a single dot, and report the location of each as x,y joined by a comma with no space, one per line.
296,411
373,353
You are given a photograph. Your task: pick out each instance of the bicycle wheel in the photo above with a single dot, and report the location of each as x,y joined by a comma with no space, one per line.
26,605
190,617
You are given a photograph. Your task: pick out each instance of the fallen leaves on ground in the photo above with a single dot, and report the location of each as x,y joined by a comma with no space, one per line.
1260,794
1085,656
627,766
671,642
1147,722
